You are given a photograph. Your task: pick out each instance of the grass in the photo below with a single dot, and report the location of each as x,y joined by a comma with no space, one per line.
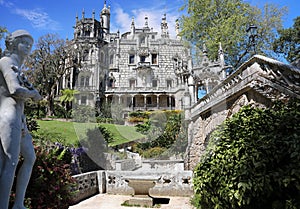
122,134
73,132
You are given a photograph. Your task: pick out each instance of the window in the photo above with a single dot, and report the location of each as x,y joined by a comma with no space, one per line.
142,58
87,33
81,81
132,83
131,59
87,81
85,55
154,83
154,59
102,57
83,100
111,59
149,100
169,83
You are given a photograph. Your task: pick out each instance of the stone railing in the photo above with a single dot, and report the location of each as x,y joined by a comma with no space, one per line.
169,183
87,185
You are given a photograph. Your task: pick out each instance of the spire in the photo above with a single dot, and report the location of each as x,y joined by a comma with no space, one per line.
132,26
177,29
221,56
204,49
105,18
164,27
76,17
93,15
146,22
105,10
83,13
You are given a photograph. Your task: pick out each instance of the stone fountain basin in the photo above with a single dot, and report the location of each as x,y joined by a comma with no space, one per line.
141,186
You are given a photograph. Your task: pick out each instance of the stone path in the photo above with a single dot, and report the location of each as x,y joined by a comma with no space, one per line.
105,201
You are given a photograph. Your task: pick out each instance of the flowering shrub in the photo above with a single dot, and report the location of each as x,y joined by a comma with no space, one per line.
51,181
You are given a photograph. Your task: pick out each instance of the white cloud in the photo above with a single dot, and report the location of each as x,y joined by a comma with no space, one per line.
6,3
39,19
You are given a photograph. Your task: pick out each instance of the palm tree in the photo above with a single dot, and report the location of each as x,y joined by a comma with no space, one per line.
67,97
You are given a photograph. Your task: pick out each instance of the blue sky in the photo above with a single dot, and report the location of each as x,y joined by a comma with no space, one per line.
40,17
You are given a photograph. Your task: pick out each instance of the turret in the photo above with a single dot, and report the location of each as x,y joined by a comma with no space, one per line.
105,18
164,27
146,22
132,27
177,29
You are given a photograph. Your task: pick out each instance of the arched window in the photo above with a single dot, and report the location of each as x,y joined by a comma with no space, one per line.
85,55
81,81
111,59
87,81
102,57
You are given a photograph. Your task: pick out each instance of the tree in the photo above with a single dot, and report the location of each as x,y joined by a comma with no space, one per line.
252,161
226,22
288,43
48,63
67,97
3,30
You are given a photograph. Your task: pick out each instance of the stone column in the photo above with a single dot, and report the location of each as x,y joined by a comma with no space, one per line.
145,101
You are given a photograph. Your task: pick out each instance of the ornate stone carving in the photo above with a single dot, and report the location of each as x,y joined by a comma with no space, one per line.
143,51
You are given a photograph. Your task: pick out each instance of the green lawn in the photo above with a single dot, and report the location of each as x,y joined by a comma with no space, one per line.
73,132
122,134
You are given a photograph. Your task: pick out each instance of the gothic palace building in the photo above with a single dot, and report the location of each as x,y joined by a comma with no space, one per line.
140,69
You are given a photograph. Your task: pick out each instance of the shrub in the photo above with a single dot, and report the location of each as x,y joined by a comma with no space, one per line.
155,152
84,113
252,161
51,181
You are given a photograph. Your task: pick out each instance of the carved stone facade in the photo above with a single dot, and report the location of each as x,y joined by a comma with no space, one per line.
138,70
258,82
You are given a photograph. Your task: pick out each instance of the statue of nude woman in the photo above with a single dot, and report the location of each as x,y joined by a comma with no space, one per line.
14,136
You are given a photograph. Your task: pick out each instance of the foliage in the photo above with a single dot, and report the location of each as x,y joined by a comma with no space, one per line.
252,161
226,22
288,43
163,129
107,135
35,109
153,152
140,114
104,120
48,63
3,30
144,127
136,119
51,179
122,134
66,98
83,113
